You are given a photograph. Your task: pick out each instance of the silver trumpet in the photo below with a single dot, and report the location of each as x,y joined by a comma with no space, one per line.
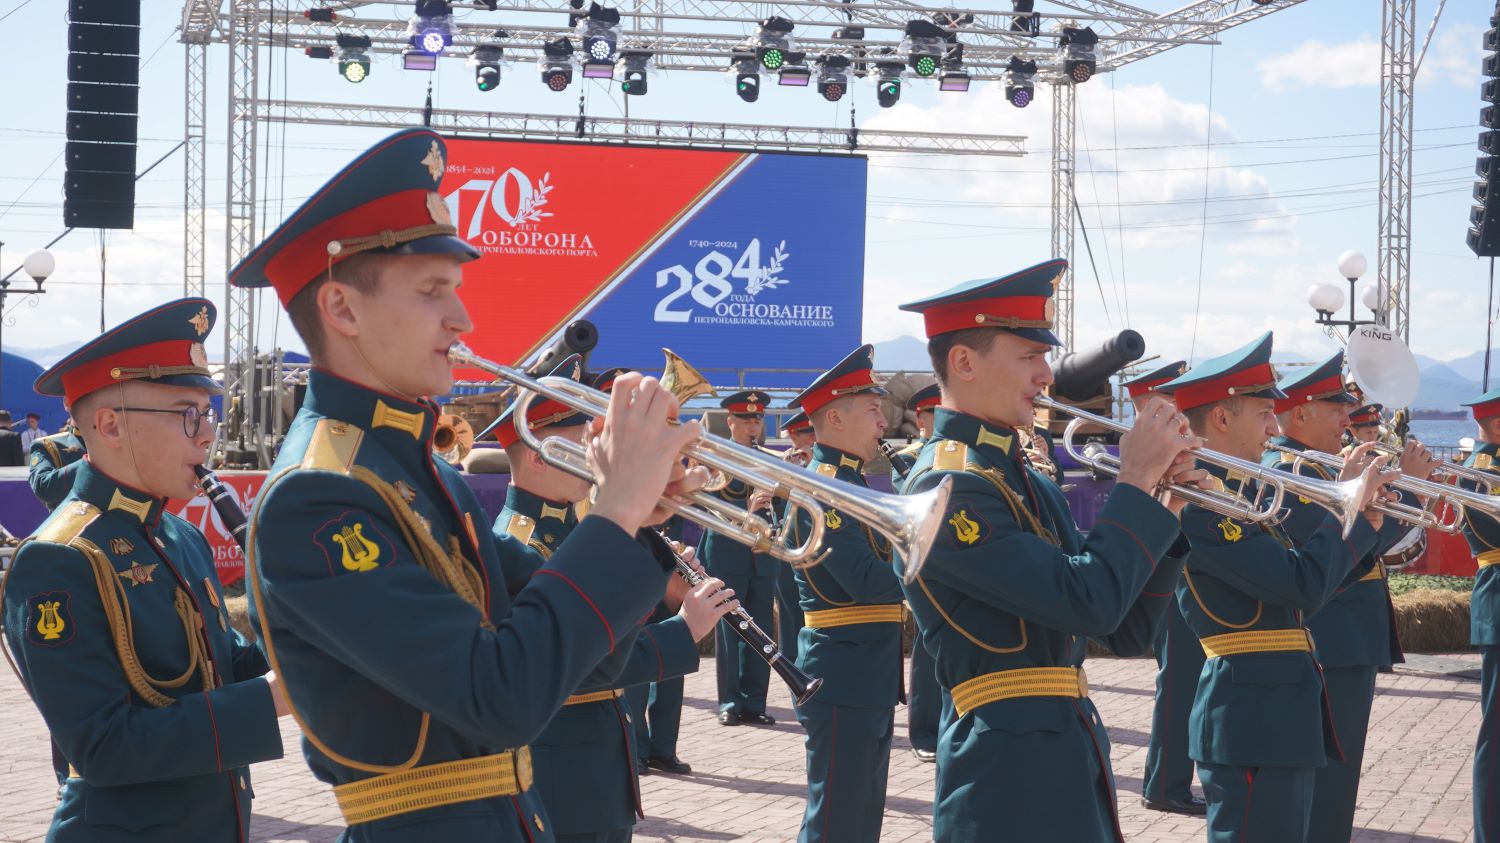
1342,498
910,522
1484,482
1459,500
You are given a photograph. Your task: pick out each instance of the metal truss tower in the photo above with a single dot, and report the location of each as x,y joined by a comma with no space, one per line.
239,305
1064,105
1393,247
195,154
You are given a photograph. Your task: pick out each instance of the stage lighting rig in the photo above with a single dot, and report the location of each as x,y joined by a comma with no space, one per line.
924,46
354,58
635,65
794,72
773,42
1026,21
746,69
833,77
954,77
486,59
887,76
1079,48
1020,90
431,28
556,64
598,31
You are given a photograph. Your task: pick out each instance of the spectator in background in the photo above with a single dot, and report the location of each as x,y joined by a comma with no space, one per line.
11,452
32,432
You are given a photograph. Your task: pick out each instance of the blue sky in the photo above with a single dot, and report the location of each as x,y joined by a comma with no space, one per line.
1290,176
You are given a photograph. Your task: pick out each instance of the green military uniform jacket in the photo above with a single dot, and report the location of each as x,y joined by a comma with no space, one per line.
382,606
724,557
588,748
1483,534
860,663
1262,709
54,462
1011,583
114,615
1358,625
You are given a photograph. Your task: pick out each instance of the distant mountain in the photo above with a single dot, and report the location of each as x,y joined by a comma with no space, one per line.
1471,366
907,354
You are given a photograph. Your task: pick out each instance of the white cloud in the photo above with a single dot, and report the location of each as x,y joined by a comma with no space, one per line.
1351,64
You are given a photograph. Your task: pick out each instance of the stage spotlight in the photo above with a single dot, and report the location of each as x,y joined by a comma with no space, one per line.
485,59
1079,48
431,28
746,69
635,66
833,77
794,71
354,60
556,64
888,82
1019,88
923,46
773,42
599,33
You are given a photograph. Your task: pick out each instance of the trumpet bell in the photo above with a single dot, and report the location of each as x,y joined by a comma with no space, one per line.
682,380
452,439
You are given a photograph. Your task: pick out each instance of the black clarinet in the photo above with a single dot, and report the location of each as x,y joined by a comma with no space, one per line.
218,495
802,686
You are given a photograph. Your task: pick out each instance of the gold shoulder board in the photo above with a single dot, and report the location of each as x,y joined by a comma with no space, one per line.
333,446
950,456
521,528
68,523
827,470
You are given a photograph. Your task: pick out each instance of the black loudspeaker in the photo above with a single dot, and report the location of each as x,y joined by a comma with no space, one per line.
103,96
1484,216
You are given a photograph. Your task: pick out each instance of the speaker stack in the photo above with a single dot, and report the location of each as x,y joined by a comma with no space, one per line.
104,56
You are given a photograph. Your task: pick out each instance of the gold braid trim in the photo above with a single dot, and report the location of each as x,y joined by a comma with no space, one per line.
122,629
795,531
544,550
252,575
153,372
52,452
448,566
388,239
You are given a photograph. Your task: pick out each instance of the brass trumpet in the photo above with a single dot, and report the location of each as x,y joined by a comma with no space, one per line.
909,522
1342,498
452,439
1459,500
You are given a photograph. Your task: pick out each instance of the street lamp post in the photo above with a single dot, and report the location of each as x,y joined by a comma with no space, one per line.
39,265
1326,299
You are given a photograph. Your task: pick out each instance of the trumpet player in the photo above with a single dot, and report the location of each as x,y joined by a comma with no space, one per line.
1364,424
1354,633
1257,724
1167,782
852,607
588,746
743,675
1483,534
378,594
1011,587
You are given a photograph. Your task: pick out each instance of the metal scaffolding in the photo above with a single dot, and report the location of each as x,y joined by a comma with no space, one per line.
1064,103
1393,247
684,35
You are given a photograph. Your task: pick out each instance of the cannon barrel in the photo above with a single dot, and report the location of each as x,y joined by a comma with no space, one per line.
1083,374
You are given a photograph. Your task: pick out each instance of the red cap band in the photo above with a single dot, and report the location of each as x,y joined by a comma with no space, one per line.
1487,410
1311,392
541,413
1217,389
976,313
746,408
800,427
842,385
87,377
304,259
928,403
1141,388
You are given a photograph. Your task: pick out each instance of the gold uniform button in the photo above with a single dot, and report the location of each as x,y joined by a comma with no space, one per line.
244,783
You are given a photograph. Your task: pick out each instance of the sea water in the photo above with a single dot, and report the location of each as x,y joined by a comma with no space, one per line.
1442,432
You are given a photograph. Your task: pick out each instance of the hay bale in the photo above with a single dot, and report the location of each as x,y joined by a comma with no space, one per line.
239,616
1433,620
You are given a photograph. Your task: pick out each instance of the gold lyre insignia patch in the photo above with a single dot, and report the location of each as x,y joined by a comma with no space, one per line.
832,519
964,527
49,622
1232,531
359,553
138,574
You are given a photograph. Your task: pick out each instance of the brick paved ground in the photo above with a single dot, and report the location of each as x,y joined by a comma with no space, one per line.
748,782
